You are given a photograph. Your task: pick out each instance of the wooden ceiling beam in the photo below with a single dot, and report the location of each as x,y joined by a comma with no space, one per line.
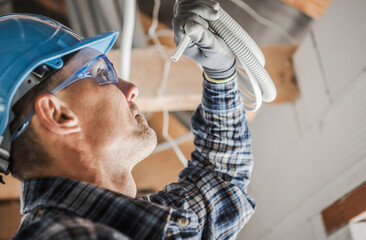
184,90
350,208
312,8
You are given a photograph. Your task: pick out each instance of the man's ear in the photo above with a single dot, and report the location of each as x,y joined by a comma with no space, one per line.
55,115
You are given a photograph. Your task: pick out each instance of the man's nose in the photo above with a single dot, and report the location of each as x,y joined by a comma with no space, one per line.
129,89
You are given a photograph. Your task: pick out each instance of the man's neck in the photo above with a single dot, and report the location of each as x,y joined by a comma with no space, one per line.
124,184
120,181
84,163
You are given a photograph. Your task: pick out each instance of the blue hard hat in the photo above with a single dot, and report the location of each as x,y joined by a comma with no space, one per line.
28,41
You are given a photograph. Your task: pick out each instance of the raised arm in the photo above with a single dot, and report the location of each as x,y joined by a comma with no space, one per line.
211,191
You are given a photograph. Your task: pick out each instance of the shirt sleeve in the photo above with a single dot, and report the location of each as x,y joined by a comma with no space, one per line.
213,187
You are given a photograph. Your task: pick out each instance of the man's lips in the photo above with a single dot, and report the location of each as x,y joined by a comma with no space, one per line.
134,109
136,113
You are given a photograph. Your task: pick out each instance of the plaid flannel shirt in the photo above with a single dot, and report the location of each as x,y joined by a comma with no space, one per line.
209,201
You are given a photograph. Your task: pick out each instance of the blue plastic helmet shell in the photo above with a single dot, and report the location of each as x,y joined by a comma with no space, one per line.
29,40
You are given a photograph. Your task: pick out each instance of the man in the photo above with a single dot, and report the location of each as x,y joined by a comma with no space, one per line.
76,134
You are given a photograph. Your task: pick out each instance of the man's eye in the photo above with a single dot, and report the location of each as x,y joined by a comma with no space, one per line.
99,71
103,73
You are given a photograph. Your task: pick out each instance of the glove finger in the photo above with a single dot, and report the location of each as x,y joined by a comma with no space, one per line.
199,8
207,40
180,21
199,35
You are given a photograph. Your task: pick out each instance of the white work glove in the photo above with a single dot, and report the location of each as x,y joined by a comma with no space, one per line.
207,49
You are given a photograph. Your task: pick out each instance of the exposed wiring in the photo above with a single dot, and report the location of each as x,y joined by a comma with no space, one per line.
165,146
265,21
164,79
153,32
129,16
164,32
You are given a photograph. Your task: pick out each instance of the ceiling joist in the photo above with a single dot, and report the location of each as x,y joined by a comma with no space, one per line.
312,8
184,87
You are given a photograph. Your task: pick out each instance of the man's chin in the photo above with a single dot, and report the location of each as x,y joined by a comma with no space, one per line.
152,143
147,145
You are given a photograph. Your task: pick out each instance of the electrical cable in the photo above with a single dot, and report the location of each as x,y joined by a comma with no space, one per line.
167,63
166,145
256,82
164,32
246,86
129,16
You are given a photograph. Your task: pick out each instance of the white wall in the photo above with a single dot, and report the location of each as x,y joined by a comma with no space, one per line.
310,153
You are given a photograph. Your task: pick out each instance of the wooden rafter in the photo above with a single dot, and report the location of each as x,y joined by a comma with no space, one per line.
351,207
184,90
312,8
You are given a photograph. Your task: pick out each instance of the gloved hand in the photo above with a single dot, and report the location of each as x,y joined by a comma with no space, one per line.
207,49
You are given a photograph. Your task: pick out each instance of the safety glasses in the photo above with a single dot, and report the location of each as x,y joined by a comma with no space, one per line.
99,68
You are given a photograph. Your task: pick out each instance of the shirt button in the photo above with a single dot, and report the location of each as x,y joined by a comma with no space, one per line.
182,222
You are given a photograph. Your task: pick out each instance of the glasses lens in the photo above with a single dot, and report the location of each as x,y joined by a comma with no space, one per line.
103,72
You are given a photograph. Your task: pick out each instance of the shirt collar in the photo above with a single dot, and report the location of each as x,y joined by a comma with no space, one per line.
97,204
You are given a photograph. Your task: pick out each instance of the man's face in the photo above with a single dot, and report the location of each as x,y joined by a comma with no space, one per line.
110,120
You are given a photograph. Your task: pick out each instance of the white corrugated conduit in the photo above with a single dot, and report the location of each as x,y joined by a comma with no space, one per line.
246,48
258,85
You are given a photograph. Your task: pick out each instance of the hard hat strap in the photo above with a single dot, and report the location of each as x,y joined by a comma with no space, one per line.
29,82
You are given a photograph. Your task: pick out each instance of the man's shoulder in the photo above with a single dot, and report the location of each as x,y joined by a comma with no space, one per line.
66,227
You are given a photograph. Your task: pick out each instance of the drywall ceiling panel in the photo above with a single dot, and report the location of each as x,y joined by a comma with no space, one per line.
273,131
358,230
341,39
341,234
314,97
294,180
